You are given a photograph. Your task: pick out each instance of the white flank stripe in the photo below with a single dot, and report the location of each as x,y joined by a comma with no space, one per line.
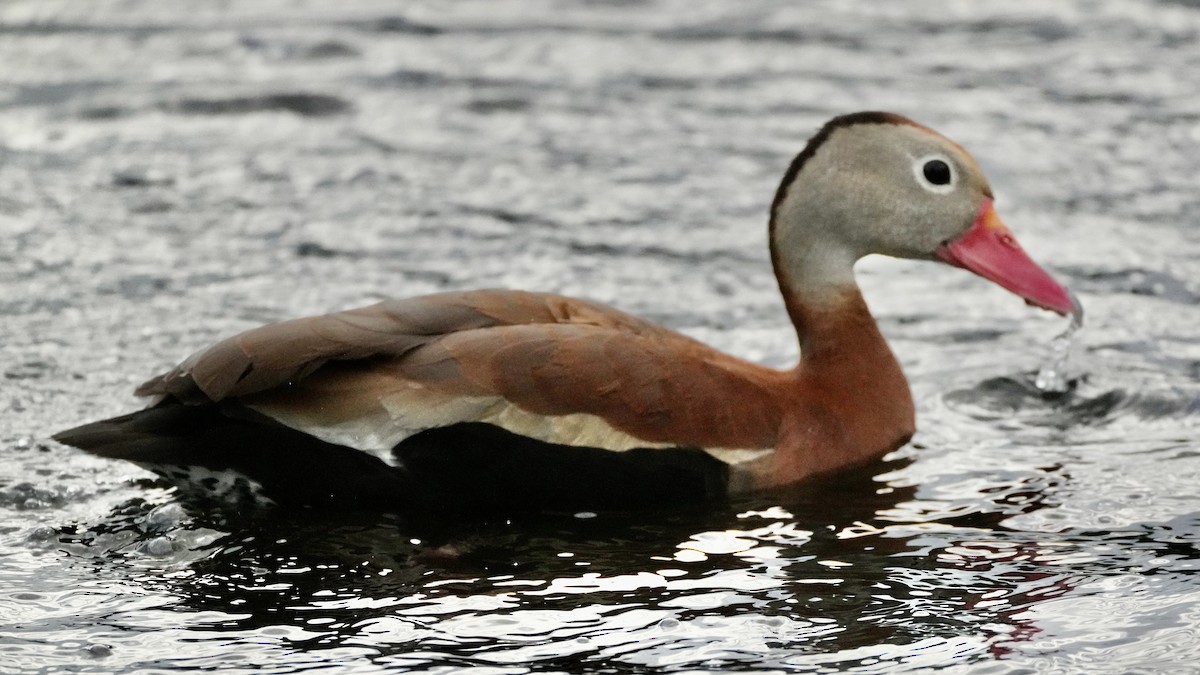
413,408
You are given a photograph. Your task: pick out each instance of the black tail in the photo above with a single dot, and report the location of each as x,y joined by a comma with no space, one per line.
207,451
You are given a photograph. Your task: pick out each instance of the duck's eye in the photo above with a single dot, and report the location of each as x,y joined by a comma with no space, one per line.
937,172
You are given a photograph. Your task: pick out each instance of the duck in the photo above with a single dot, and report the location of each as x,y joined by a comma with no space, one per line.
506,399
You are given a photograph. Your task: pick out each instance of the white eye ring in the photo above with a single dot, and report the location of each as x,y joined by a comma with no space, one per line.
932,168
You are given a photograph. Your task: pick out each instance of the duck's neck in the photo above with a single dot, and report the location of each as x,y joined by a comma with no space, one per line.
850,401
821,295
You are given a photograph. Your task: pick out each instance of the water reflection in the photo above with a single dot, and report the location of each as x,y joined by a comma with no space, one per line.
874,570
859,571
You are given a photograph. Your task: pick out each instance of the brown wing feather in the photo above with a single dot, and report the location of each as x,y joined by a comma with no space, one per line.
277,354
660,386
547,354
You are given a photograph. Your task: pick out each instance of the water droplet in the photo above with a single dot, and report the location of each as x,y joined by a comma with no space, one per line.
165,517
1052,376
98,651
159,546
42,533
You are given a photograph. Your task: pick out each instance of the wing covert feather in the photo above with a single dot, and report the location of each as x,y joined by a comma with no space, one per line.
545,354
286,352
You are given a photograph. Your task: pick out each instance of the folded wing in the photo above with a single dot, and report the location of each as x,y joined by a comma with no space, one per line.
550,368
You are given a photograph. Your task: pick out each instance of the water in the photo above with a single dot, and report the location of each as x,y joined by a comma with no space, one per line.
1052,377
172,174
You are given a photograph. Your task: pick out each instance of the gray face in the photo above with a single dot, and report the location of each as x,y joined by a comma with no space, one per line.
868,188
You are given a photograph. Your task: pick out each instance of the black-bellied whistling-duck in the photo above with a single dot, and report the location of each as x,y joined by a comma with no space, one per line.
497,397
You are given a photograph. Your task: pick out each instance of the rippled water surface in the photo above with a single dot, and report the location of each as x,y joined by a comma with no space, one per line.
174,172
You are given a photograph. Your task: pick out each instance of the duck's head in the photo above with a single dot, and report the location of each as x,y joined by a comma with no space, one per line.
880,183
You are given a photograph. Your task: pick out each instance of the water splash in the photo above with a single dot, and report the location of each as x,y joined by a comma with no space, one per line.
1052,376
